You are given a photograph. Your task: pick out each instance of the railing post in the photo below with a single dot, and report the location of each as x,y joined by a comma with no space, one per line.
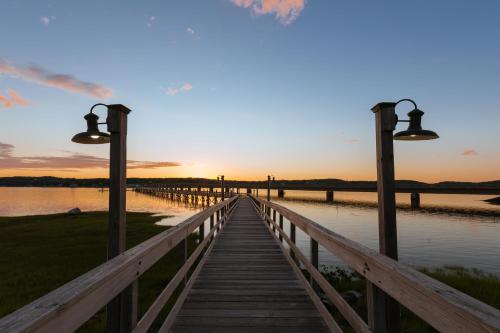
274,220
185,245
292,238
281,227
218,219
135,303
201,234
314,258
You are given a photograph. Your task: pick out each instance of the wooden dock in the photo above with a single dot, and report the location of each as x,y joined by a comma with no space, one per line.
247,284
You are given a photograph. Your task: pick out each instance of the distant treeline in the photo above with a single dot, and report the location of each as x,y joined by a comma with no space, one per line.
313,183
48,181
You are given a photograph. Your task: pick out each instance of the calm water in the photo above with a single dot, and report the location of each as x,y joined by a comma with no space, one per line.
20,201
425,239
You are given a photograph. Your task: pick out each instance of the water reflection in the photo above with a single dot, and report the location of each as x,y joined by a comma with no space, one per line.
425,238
20,201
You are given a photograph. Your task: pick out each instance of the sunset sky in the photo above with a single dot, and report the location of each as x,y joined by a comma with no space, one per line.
250,87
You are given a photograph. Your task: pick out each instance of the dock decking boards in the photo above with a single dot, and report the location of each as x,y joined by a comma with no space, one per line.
247,285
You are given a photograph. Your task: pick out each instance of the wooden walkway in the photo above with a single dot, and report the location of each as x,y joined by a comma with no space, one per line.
247,284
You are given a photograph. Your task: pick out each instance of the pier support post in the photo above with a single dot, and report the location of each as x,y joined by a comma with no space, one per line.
415,200
249,191
281,193
329,196
383,310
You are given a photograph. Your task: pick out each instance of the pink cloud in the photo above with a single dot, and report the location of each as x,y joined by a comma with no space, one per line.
60,81
174,91
72,161
286,11
470,152
12,99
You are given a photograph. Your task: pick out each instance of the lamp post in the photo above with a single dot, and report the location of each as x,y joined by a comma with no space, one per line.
121,314
269,187
383,310
221,177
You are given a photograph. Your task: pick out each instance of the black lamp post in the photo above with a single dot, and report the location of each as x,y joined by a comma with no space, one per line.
221,177
269,187
119,310
384,312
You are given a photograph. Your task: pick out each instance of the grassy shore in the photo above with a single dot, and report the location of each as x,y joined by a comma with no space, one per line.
41,253
482,286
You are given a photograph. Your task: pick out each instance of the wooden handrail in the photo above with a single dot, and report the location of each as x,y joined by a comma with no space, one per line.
172,315
323,311
356,322
68,307
441,306
155,308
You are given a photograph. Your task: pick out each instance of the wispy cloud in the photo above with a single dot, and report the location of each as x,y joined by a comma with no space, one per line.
470,152
172,91
340,138
72,161
285,11
60,81
47,19
12,99
151,21
190,30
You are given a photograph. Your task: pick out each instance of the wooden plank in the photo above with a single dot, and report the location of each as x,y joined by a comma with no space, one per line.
253,305
307,322
249,329
443,307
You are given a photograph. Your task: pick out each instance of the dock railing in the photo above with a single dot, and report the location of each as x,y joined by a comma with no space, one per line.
444,308
71,305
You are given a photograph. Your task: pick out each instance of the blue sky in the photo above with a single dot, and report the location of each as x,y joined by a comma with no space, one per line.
251,87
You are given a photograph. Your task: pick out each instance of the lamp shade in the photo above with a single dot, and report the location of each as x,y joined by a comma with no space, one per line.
415,131
92,135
